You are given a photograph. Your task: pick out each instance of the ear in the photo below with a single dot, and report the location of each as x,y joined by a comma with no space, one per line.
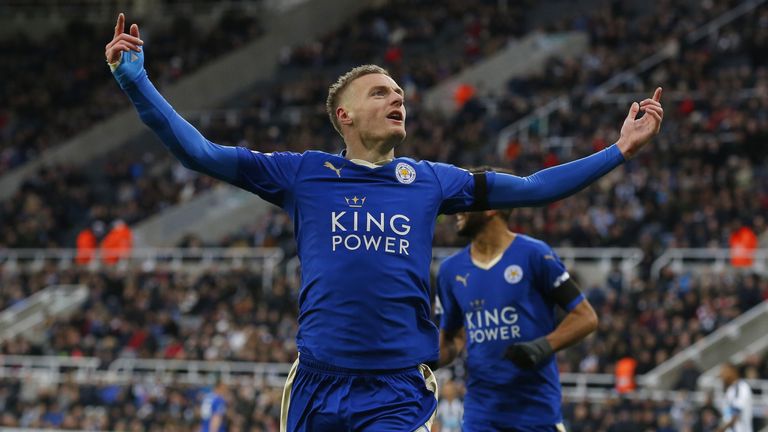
344,116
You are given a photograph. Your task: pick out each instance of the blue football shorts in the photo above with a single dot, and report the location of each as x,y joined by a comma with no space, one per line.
319,397
479,425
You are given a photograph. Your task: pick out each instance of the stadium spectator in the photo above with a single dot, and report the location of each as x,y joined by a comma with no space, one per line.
689,377
88,242
625,375
743,242
111,246
450,409
118,242
736,412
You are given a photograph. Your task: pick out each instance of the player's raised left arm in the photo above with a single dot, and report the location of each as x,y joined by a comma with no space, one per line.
125,56
552,184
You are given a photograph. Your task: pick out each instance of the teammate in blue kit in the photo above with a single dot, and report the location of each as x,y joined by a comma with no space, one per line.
364,222
498,297
213,409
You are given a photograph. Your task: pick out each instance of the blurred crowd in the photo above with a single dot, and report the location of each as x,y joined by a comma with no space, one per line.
136,407
702,180
215,314
614,414
255,406
50,94
219,314
48,211
421,42
52,207
650,322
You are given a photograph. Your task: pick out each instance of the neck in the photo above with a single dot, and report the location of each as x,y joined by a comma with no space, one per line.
373,152
489,243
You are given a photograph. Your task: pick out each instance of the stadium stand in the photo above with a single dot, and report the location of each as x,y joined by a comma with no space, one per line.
210,316
33,119
703,180
655,320
134,407
612,214
144,312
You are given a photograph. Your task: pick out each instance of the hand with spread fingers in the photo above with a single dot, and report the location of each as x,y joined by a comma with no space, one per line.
124,53
637,132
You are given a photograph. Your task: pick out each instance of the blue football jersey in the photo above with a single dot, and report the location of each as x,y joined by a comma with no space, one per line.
364,238
213,404
499,306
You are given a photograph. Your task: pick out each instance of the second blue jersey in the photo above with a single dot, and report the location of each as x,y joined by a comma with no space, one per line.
498,306
213,404
364,238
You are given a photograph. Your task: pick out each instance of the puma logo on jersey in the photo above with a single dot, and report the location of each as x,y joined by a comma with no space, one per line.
333,168
462,279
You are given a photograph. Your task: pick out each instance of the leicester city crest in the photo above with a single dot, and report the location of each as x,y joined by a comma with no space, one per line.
405,173
513,274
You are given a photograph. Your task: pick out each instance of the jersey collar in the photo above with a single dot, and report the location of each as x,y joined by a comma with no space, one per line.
489,264
365,163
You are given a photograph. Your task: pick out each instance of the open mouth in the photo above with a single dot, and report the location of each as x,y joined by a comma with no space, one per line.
396,116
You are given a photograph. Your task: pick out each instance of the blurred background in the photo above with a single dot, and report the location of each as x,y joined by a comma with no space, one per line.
129,285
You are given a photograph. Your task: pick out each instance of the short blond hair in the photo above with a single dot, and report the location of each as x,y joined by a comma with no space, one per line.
337,89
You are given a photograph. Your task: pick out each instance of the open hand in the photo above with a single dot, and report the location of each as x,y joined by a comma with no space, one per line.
636,133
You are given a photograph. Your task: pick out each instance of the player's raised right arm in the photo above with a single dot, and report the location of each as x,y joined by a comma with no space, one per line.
126,60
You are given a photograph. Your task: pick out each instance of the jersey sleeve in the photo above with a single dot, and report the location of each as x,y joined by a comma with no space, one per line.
551,184
742,399
182,139
451,318
552,274
271,176
219,407
457,187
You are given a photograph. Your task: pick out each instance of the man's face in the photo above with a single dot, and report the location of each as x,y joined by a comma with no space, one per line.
374,104
468,224
727,374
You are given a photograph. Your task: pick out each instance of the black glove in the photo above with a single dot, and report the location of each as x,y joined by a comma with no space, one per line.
527,355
